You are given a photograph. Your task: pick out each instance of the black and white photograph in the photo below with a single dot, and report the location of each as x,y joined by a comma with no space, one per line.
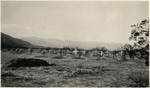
74,43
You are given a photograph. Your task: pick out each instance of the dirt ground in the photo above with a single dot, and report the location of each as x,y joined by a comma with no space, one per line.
87,71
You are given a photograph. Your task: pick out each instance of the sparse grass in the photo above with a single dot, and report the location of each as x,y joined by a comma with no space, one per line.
11,80
39,83
8,74
21,79
69,72
40,56
140,79
82,72
77,58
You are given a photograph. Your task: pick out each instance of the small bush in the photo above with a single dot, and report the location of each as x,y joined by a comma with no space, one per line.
81,66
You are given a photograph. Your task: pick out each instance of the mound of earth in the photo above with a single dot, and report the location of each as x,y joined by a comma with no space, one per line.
27,62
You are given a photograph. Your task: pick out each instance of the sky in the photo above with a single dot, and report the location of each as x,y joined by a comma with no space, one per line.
98,21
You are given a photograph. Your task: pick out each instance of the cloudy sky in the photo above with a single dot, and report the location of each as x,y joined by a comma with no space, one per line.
78,21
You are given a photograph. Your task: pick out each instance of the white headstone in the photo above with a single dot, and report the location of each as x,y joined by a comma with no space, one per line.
101,53
121,52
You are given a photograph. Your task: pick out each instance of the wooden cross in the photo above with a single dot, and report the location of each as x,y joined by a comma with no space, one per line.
75,51
61,52
84,52
64,50
121,51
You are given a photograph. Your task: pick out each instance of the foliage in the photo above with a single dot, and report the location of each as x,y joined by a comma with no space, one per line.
140,35
127,47
30,50
128,50
103,49
43,52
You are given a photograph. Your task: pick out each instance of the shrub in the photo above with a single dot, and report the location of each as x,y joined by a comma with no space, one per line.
81,66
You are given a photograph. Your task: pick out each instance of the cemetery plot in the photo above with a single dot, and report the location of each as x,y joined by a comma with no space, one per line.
73,67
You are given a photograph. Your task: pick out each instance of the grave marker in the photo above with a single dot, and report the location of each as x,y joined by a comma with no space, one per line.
101,54
75,51
61,52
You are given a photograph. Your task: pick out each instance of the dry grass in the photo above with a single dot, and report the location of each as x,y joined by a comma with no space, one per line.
69,72
140,79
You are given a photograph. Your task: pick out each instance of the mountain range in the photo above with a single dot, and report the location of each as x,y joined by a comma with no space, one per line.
11,42
52,42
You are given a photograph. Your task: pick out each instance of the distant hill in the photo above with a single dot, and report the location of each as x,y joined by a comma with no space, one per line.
60,43
10,42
